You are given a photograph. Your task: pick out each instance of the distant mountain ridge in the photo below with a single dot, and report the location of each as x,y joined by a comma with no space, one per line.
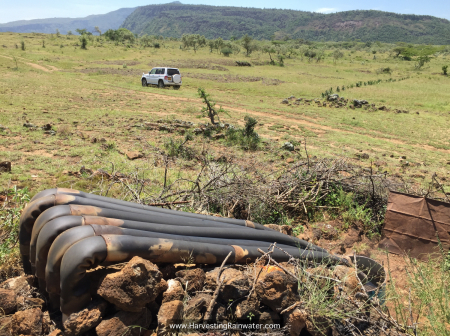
111,20
175,19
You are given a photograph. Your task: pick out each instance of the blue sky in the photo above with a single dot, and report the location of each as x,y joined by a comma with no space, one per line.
41,9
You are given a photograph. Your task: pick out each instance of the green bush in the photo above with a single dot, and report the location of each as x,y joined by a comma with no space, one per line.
226,51
177,148
444,70
246,137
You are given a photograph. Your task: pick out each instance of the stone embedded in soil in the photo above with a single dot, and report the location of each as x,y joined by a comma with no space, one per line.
5,326
84,320
137,284
174,291
28,322
5,167
196,308
348,276
194,278
7,301
219,313
286,229
353,236
20,285
134,155
295,321
277,290
248,307
170,312
27,302
56,332
235,283
268,316
121,322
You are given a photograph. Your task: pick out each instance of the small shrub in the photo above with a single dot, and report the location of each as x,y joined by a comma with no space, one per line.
246,137
84,42
156,45
64,131
22,45
177,148
226,51
444,70
124,65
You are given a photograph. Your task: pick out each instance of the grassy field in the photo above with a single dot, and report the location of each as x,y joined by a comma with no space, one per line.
97,93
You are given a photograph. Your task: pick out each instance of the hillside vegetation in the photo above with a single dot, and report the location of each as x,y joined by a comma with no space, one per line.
175,19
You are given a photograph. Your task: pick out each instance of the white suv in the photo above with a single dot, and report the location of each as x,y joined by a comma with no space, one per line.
162,77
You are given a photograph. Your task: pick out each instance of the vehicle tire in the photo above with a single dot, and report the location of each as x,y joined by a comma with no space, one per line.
144,82
161,84
176,87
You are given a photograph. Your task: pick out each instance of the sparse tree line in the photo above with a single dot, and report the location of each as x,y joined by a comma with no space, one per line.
276,51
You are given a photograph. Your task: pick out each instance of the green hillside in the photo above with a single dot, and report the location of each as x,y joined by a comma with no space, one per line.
175,19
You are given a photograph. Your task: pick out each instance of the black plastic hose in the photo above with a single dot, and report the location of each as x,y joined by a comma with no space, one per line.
48,264
92,252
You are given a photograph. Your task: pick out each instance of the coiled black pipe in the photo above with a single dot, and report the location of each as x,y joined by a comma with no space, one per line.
175,225
31,221
42,241
92,252
69,237
73,192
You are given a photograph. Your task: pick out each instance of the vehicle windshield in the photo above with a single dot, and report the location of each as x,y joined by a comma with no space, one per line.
171,72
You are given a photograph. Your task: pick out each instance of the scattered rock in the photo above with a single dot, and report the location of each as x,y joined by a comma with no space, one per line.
56,332
194,278
20,285
295,321
277,290
328,231
353,236
24,303
196,308
285,101
218,136
348,276
27,322
247,307
137,284
47,127
288,146
289,160
174,292
134,155
333,97
87,319
166,128
5,167
170,312
382,108
268,317
7,301
286,229
235,283
362,156
121,322
29,125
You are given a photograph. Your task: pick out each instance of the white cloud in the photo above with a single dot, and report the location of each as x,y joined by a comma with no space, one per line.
326,10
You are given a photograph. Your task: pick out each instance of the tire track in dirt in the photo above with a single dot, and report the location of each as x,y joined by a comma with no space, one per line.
286,118
34,65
